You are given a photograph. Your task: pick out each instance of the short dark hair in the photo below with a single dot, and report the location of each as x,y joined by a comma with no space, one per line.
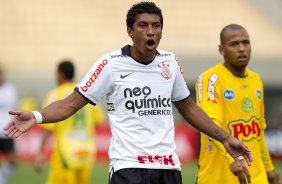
142,7
66,67
231,27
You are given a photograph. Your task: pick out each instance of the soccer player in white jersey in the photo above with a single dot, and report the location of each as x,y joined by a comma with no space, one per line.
140,83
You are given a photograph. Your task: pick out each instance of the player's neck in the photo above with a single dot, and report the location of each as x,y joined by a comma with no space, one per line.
141,57
239,72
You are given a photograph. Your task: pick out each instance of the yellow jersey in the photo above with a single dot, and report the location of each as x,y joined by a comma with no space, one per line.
74,137
235,103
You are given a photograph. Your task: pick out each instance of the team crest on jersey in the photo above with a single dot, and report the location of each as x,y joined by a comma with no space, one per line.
245,130
229,94
247,105
258,93
165,71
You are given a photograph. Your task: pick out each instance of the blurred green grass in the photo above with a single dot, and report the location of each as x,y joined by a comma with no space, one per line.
25,173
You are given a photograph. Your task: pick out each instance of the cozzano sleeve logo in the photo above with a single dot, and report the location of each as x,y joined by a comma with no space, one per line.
245,130
94,75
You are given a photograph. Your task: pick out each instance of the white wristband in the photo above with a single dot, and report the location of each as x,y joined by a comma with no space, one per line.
38,117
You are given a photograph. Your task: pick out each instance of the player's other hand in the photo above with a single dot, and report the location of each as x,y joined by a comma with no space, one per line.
21,122
236,149
273,177
38,162
239,169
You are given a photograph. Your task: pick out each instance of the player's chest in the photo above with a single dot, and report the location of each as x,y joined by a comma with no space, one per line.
244,95
159,77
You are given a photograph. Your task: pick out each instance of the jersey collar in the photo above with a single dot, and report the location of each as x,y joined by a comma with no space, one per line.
126,52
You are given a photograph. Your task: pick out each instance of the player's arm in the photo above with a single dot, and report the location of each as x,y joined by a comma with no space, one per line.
236,167
272,175
56,111
39,156
200,120
62,109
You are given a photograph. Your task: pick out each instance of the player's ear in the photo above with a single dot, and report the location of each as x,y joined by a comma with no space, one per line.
221,50
130,32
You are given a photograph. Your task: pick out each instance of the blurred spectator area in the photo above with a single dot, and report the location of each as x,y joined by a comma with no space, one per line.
35,35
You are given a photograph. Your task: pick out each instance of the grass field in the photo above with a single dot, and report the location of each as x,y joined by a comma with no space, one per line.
25,174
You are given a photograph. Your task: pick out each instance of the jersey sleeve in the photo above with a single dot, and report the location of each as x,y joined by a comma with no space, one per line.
96,84
180,89
208,96
268,165
262,122
221,148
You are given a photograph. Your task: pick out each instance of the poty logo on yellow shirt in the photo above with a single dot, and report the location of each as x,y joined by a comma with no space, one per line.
245,130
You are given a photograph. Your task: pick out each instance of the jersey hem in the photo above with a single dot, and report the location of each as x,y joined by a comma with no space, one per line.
143,166
182,99
89,101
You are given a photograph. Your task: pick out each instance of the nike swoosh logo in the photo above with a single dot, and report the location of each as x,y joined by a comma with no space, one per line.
123,76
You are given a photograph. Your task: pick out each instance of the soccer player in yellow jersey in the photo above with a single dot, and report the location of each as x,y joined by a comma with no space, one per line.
233,96
74,150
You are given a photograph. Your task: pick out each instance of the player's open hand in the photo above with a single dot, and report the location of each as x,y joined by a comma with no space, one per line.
22,122
237,149
239,169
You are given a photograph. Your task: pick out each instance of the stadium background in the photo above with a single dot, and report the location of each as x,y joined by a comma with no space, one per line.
35,35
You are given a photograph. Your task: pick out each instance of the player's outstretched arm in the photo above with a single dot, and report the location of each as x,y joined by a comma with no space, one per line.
194,115
57,111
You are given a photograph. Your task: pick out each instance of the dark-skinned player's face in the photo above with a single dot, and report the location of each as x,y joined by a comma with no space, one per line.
146,34
236,50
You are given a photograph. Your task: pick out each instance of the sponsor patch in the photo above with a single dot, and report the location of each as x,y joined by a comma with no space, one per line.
111,106
258,93
122,76
161,159
245,130
94,76
139,100
244,86
212,80
229,94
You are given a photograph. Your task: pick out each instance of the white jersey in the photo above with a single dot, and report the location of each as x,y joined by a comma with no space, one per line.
139,99
8,101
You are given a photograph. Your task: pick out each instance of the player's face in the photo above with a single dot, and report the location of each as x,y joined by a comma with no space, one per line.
236,50
146,34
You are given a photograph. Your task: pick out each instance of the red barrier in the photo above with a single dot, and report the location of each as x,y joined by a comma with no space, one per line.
186,138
